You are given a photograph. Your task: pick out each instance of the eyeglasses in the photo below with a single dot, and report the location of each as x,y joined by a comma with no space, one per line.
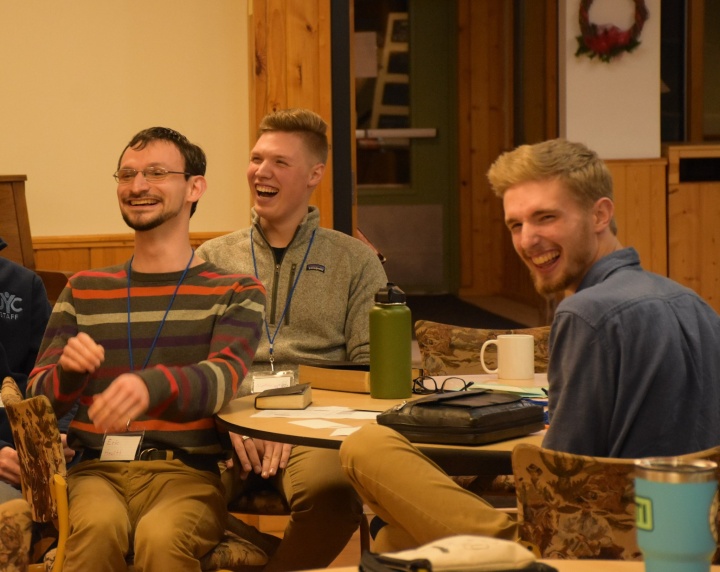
151,174
425,385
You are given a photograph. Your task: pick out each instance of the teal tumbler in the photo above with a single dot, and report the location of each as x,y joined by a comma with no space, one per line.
674,515
390,345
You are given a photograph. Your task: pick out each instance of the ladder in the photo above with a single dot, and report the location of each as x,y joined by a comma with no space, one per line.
391,104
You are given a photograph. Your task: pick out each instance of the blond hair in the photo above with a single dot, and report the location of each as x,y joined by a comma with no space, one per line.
576,166
308,124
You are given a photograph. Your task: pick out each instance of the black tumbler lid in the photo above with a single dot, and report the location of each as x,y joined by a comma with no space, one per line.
390,294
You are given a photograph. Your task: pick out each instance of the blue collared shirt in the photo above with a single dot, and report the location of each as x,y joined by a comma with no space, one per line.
634,365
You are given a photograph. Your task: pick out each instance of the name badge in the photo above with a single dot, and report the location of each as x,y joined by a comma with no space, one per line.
263,380
121,446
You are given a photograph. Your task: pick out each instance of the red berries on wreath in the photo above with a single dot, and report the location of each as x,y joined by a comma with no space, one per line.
607,41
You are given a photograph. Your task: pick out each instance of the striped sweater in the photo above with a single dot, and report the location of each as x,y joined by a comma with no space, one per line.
201,356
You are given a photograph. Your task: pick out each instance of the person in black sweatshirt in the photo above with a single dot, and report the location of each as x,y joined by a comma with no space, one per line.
24,313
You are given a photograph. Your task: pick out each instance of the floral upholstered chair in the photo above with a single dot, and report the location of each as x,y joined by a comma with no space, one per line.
15,535
449,350
575,506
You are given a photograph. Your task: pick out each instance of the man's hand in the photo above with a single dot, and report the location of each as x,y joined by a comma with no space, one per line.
125,399
262,457
81,354
67,451
9,466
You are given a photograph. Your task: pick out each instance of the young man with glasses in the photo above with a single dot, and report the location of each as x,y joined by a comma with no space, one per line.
321,286
151,349
618,387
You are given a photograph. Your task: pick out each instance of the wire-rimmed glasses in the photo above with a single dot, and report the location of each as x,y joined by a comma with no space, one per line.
425,385
151,174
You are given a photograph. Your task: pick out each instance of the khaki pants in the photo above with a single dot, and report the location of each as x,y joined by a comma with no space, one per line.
412,494
325,510
169,514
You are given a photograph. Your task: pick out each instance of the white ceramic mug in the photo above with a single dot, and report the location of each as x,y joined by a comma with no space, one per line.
515,356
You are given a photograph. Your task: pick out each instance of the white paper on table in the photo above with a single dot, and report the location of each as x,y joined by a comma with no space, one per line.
317,413
526,388
344,432
318,424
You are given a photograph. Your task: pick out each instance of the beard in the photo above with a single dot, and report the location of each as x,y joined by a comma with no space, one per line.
151,223
145,225
549,288
579,260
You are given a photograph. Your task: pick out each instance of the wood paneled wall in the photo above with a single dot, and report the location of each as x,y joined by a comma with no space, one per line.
640,187
74,253
488,263
290,67
693,214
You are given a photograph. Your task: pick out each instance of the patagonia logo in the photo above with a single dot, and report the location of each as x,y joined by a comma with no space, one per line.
10,306
318,267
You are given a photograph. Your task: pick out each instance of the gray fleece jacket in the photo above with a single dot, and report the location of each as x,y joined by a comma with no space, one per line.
328,313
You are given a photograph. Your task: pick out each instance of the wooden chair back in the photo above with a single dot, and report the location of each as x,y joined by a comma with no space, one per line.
40,450
42,463
15,231
54,282
15,222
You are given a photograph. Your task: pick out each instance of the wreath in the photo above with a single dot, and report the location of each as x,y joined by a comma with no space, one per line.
607,41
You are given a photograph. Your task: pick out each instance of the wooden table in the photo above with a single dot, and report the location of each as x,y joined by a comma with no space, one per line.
237,416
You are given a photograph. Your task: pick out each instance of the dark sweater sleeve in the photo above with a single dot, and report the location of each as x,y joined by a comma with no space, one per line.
40,312
23,364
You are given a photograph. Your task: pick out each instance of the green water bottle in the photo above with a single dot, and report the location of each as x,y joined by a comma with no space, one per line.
390,345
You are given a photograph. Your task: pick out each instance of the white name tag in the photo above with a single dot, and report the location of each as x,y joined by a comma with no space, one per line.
121,446
271,380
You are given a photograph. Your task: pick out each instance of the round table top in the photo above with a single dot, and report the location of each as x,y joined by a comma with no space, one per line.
240,416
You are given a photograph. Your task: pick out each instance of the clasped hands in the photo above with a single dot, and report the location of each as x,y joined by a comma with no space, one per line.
125,399
259,456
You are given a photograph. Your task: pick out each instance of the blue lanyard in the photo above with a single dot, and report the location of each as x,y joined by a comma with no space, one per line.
271,339
167,311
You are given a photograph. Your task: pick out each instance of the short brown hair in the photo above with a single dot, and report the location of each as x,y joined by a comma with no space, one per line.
575,165
193,155
308,124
